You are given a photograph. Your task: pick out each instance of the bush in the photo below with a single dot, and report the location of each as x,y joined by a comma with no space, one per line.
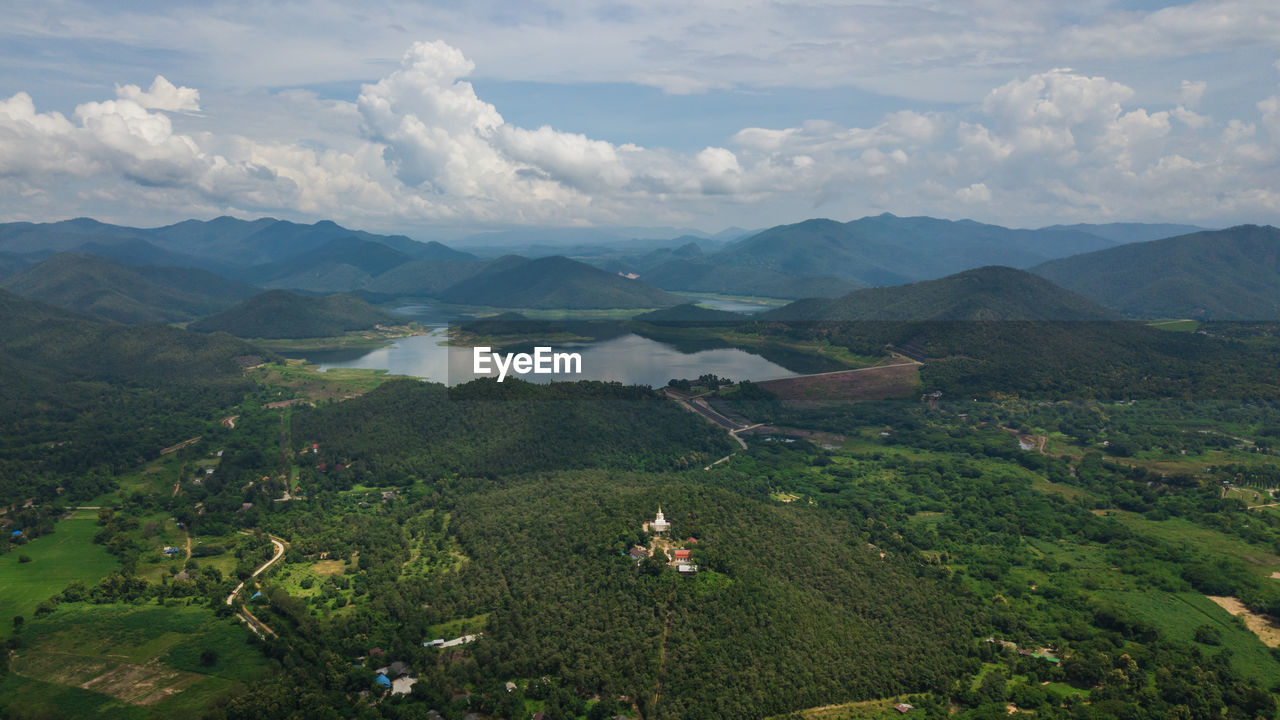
24,558
209,658
1208,635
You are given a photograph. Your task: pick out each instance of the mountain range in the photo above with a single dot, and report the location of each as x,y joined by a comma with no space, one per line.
1231,274
174,273
110,290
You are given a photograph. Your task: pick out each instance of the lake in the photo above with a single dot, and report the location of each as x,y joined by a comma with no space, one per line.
615,355
629,359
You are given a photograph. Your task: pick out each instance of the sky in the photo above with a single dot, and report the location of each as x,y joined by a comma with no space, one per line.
436,118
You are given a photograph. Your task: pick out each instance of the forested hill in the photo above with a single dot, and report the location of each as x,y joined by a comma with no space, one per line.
555,282
109,393
282,314
985,294
110,290
406,430
1231,274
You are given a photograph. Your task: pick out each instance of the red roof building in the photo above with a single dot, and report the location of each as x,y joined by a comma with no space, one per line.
682,555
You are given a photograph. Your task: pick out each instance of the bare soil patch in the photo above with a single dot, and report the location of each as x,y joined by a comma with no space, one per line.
130,682
876,383
1261,625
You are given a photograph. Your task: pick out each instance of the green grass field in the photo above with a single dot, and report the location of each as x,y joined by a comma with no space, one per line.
459,627
127,652
1179,532
57,559
1177,615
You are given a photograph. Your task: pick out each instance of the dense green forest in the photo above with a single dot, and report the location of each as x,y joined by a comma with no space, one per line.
109,395
407,431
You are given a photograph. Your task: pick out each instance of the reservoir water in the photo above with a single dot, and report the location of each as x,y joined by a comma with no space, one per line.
623,357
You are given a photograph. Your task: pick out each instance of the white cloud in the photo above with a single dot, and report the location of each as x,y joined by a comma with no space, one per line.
162,95
1181,30
1192,92
977,193
421,146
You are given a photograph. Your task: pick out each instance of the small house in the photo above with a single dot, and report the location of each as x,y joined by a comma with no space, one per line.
638,553
682,555
687,569
438,642
383,681
904,708
375,651
397,669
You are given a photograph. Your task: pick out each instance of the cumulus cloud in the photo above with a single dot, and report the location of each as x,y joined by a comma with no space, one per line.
162,95
420,145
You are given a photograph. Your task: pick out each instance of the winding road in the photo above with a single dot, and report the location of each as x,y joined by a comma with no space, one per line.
256,625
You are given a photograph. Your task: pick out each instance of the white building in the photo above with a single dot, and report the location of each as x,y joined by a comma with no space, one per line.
660,523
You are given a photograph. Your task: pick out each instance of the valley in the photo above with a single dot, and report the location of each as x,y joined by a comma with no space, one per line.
888,495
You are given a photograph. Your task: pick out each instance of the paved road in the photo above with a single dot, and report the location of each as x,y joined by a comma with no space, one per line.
245,615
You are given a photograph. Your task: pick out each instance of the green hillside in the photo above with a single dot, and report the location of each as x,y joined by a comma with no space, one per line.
988,293
1231,274
110,393
282,314
555,282
107,289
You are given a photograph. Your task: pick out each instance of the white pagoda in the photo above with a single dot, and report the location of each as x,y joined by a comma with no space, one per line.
659,523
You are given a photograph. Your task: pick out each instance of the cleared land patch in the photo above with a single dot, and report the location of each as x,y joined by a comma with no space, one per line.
1261,626
130,682
328,567
875,383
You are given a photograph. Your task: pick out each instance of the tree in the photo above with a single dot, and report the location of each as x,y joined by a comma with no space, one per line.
209,657
18,620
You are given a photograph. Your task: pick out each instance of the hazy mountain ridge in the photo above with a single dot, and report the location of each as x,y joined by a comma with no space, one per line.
554,282
112,291
889,250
